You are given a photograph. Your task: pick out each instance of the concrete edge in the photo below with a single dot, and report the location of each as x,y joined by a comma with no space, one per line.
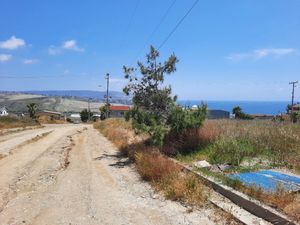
254,207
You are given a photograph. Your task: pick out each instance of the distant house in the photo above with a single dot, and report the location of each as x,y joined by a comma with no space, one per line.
296,108
3,111
215,113
118,110
218,114
75,117
96,116
50,115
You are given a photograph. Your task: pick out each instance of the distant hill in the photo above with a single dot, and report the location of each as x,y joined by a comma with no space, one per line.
116,97
61,101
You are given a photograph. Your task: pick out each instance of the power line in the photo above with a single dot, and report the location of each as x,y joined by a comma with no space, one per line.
178,24
163,18
40,77
27,77
129,23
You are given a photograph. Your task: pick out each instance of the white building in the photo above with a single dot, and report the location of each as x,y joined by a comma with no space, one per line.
75,117
3,111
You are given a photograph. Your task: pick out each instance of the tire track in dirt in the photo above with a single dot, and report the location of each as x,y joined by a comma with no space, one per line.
28,162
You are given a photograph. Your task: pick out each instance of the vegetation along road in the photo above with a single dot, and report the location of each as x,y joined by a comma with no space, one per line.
71,174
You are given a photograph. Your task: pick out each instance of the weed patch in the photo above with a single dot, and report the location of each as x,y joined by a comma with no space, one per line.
7,122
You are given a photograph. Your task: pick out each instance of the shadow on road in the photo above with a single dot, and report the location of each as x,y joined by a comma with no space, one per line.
120,160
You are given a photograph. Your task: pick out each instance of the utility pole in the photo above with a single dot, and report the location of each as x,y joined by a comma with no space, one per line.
89,109
293,92
107,96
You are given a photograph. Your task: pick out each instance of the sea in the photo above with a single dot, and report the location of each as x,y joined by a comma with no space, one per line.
249,107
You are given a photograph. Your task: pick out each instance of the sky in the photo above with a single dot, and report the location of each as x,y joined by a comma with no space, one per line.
227,50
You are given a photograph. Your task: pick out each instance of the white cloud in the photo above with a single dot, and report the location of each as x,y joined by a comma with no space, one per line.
261,53
5,57
52,50
72,45
237,56
67,45
30,61
12,43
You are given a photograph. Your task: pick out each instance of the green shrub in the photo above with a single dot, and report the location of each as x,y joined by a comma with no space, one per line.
231,150
85,115
155,111
183,119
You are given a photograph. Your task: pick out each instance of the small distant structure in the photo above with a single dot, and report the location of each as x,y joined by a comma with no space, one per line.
214,113
218,114
296,108
50,115
75,118
262,116
194,107
118,110
3,111
96,117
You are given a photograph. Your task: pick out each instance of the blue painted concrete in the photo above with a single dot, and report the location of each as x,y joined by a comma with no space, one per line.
269,180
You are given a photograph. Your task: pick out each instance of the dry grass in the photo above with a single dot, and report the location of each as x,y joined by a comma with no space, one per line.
231,141
165,175
116,130
8,122
153,166
168,177
288,203
185,142
293,210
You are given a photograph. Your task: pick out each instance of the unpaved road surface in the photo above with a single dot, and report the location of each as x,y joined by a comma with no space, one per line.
73,176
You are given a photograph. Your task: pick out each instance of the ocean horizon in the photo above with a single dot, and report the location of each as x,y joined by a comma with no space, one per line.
250,107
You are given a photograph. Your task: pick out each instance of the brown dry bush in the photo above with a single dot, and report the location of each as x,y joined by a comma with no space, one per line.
191,139
287,202
183,143
185,187
293,210
153,166
209,132
167,177
116,130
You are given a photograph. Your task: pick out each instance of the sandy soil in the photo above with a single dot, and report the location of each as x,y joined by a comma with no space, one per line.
74,176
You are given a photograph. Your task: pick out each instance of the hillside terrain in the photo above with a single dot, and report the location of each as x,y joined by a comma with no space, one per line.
116,97
58,101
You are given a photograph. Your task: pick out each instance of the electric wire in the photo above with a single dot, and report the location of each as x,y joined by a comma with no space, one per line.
163,18
178,24
129,24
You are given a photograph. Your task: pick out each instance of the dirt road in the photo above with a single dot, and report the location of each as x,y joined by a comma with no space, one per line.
73,175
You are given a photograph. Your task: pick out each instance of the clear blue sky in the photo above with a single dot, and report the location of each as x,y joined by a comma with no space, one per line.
228,50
